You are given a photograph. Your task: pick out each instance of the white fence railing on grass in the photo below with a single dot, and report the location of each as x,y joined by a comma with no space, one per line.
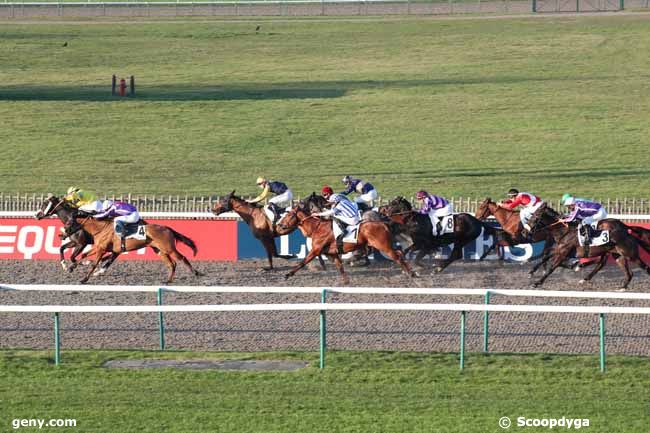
322,307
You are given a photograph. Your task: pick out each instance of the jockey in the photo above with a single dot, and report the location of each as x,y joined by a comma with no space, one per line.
85,201
280,202
123,214
366,192
344,211
436,207
327,191
530,204
587,212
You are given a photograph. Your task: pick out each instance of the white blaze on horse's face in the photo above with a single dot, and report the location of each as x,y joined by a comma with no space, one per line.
47,209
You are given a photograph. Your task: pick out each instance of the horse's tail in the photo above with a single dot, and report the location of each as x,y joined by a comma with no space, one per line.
184,239
642,236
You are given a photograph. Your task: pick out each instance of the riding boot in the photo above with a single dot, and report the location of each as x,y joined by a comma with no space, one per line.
587,233
123,240
339,238
439,227
276,213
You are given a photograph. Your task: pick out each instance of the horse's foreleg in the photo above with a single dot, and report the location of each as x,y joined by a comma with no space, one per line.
488,251
545,258
322,262
100,254
601,262
171,265
62,256
269,246
557,260
339,265
456,254
308,258
418,258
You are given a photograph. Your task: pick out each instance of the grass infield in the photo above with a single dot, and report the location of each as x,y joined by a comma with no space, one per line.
357,392
466,107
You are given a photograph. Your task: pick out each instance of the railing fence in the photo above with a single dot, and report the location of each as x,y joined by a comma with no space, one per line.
17,202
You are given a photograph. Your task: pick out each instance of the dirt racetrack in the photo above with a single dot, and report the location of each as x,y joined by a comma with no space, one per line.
417,331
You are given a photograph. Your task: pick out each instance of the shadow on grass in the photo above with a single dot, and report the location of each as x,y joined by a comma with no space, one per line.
248,91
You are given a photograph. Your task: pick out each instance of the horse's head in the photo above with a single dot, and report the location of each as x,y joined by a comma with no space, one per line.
543,217
295,216
397,205
49,207
315,203
484,210
223,204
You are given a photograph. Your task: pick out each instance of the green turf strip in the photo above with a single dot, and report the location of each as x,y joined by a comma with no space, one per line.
459,107
357,392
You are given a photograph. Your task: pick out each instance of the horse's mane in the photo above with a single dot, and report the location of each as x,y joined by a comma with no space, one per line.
401,201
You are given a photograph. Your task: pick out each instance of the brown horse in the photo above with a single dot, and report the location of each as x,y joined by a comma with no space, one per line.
511,225
623,246
161,238
258,222
372,233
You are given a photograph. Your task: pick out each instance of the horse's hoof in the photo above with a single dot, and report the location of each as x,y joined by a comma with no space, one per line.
84,281
267,268
198,274
63,265
286,276
437,269
530,275
582,281
86,262
537,284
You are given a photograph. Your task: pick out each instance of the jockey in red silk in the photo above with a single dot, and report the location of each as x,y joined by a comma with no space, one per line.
529,203
434,206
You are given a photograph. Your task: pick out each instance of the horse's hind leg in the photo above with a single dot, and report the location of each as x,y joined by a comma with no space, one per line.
339,265
398,258
171,265
178,256
456,254
625,267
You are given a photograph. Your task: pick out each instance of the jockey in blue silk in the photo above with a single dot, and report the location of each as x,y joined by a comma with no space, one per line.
366,192
280,202
585,211
434,206
122,214
344,211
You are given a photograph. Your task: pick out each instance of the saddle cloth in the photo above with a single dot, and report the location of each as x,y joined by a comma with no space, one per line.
270,215
601,237
136,231
351,235
447,224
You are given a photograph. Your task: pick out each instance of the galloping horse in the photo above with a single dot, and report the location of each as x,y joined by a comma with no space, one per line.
79,239
259,224
622,245
162,239
513,229
372,233
419,228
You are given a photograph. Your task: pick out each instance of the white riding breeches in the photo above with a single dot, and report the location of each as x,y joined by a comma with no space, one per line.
282,200
131,218
436,214
593,220
528,211
367,198
351,221
92,207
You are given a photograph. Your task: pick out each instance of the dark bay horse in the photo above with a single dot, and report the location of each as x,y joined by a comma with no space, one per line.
419,228
371,233
258,222
77,240
623,246
513,229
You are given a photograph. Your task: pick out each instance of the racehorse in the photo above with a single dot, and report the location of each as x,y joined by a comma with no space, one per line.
258,222
79,239
161,238
623,246
419,227
513,229
371,233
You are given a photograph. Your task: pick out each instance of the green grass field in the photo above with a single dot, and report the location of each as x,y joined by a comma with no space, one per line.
459,107
357,392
